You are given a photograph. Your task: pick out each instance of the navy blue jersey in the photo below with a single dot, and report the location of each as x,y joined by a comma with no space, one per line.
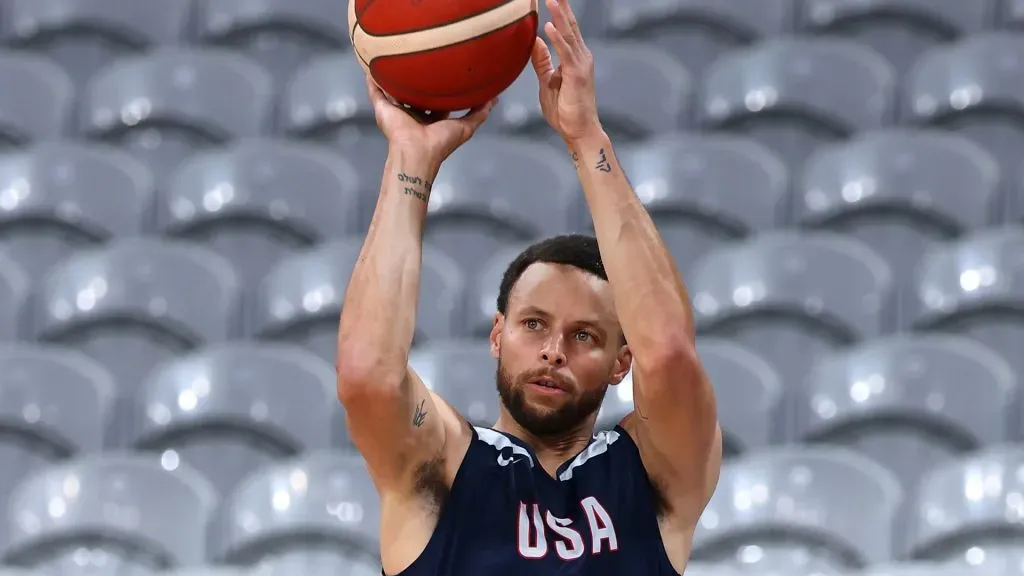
506,516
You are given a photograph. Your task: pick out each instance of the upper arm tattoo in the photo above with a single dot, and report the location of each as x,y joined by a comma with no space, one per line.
602,162
415,186
419,415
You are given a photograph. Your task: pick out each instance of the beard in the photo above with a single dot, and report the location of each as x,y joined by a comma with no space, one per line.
543,422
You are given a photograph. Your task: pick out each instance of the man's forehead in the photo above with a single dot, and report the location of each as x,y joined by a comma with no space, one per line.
559,286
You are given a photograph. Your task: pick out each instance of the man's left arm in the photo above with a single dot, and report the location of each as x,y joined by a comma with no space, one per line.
675,423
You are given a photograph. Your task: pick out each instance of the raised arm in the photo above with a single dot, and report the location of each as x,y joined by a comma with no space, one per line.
392,417
675,422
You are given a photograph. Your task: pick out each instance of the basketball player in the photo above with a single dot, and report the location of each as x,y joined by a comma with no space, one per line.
537,494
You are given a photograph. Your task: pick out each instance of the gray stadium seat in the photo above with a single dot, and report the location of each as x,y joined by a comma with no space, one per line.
15,289
975,287
759,560
974,87
916,569
115,511
319,563
326,102
318,505
496,192
85,36
792,94
165,105
663,105
792,297
1011,14
484,287
705,190
136,302
970,503
828,503
696,32
65,195
897,29
210,571
228,410
54,404
709,569
749,392
280,34
1000,561
463,373
900,191
260,199
37,101
300,299
902,401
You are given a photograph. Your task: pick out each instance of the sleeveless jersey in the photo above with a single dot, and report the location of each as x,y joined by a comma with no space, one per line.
506,516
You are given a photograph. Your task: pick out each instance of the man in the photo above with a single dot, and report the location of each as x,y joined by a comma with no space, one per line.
537,494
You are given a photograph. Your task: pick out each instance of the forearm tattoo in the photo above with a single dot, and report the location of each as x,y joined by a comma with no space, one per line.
415,186
602,162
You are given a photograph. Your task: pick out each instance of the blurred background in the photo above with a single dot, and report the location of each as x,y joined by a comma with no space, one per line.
183,189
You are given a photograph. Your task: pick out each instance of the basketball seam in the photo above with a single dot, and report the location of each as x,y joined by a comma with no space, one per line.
431,27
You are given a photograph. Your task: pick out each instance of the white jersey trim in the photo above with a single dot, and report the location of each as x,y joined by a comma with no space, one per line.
501,443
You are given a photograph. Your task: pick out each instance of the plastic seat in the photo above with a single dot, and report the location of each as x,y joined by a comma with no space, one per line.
915,569
827,503
14,294
136,302
975,88
703,191
793,297
484,287
785,561
696,32
462,372
793,94
900,191
109,513
260,199
905,401
750,396
315,563
67,195
497,192
1008,561
37,101
300,299
210,571
165,105
969,504
900,30
85,36
230,409
329,506
280,34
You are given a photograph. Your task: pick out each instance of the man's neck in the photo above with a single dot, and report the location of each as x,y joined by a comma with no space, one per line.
553,451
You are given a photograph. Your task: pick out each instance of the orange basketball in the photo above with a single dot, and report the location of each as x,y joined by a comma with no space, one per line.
443,55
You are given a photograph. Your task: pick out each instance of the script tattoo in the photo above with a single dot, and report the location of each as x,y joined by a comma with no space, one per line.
419,415
415,186
602,162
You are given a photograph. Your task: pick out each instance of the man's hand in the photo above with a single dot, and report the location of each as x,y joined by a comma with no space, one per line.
567,95
434,136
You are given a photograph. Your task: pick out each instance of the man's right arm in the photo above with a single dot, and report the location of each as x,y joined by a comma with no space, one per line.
392,417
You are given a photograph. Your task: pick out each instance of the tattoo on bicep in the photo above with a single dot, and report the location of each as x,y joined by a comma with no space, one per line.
576,159
419,415
602,162
415,186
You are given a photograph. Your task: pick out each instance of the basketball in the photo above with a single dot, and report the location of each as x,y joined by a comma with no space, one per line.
443,55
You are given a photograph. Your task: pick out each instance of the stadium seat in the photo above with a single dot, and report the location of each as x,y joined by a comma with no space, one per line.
792,297
1003,561
37,101
900,30
705,190
696,32
314,563
326,102
55,405
710,569
973,87
785,561
169,103
318,505
210,571
917,569
482,302
260,199
900,191
136,302
1011,14
499,191
749,392
230,409
831,502
972,287
972,503
64,196
279,34
792,94
114,511
14,297
85,36
463,373
902,401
